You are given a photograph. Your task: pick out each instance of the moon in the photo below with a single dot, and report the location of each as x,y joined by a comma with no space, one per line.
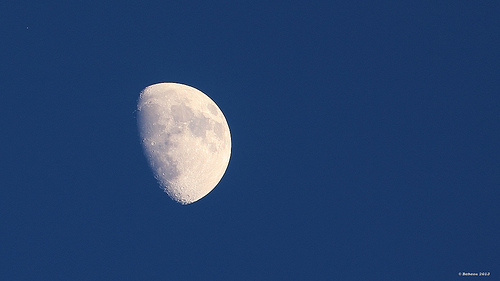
186,139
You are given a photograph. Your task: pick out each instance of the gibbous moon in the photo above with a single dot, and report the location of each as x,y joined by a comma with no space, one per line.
185,138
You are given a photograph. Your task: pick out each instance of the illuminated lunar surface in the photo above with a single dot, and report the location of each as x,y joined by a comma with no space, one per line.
185,138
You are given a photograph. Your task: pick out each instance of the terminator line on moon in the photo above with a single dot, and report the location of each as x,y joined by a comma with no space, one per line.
185,138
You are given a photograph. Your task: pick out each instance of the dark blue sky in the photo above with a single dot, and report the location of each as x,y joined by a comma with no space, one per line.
365,140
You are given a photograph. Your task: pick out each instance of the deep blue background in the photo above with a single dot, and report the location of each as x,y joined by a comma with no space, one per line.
365,140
